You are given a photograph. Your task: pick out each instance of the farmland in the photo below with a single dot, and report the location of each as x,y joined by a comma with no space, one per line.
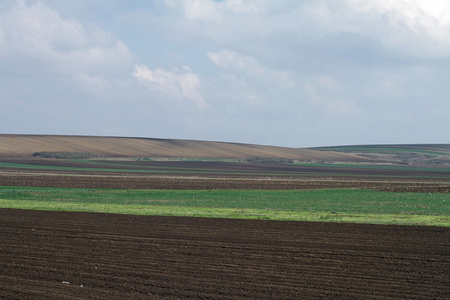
21,146
63,255
142,245
339,193
332,205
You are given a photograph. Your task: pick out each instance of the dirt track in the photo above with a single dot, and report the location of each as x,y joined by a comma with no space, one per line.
61,255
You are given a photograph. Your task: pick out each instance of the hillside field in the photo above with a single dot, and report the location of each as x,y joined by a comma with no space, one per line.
23,146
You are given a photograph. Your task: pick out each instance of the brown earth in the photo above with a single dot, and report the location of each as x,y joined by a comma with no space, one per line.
23,146
62,255
217,175
212,183
231,169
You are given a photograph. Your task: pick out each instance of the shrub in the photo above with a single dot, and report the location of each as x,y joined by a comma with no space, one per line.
66,155
265,160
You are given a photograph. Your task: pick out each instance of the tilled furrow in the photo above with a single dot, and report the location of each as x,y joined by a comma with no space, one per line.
83,256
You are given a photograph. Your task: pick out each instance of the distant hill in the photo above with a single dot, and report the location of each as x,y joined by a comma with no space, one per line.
23,146
418,154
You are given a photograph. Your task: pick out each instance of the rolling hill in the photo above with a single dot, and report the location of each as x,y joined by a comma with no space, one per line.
23,146
416,154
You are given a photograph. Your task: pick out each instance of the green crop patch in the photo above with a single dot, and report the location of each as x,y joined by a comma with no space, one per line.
338,205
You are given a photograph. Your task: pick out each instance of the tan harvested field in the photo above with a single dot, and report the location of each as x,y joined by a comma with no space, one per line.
23,146
63,255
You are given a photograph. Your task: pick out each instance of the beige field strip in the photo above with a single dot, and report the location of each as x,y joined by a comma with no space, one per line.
22,146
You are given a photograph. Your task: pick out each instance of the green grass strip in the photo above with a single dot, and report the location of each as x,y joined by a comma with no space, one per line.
336,205
260,214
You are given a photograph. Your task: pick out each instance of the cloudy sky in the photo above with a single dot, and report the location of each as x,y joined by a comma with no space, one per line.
289,73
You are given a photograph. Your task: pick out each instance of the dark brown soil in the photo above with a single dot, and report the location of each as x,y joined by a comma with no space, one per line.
230,169
211,183
218,175
62,255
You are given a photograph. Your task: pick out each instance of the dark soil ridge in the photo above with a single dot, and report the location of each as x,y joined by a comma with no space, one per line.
64,255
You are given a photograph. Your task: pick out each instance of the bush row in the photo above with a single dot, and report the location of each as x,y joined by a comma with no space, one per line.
65,155
265,160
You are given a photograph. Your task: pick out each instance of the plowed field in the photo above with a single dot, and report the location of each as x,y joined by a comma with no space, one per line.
62,255
67,255
216,175
211,183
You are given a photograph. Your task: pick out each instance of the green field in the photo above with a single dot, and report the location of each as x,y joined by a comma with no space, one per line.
334,205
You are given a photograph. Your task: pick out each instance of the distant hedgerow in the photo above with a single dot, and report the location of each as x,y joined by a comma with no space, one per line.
66,155
264,160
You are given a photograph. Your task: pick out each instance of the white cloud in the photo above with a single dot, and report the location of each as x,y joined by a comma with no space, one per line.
215,11
50,60
324,91
227,59
406,27
176,83
320,66
234,62
38,34
418,28
413,27
198,9
432,17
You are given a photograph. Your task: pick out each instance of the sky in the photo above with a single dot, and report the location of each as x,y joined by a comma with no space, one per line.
286,73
